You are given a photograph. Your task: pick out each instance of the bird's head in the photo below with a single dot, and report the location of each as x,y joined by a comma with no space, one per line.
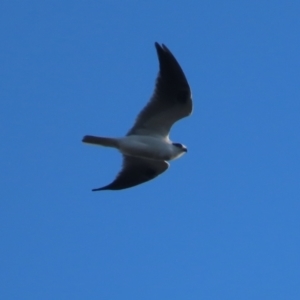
181,149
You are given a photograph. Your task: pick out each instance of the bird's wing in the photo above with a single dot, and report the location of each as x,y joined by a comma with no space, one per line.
136,171
171,101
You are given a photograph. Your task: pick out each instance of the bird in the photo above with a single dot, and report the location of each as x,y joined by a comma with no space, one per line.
147,148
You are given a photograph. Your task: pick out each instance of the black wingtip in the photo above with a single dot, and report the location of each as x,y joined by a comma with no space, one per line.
157,46
104,188
99,189
161,47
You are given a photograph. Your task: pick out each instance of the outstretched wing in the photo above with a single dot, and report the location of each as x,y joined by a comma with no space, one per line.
136,171
171,101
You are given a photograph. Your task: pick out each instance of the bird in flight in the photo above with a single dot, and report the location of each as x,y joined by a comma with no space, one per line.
146,148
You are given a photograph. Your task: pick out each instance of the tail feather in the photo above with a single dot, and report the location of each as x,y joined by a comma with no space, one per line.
102,141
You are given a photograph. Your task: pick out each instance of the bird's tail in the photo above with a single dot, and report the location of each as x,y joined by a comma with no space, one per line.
102,141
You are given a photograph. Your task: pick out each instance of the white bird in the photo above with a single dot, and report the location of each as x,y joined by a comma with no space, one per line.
146,148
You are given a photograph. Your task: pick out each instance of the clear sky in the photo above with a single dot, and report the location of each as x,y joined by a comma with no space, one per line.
222,223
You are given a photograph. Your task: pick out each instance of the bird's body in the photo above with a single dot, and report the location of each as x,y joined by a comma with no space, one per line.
146,148
142,146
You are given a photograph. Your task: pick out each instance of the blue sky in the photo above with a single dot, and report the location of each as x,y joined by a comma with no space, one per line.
221,223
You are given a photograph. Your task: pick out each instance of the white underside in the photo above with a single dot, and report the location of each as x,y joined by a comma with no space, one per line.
149,147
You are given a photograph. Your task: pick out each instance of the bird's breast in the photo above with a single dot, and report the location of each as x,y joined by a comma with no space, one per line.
146,147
